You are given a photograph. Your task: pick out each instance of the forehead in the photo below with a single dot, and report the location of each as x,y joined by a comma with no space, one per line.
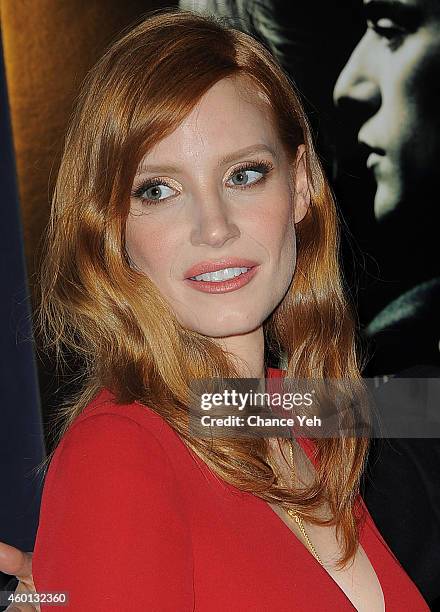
231,115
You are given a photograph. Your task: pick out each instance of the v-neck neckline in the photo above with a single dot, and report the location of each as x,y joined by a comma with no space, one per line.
277,373
298,544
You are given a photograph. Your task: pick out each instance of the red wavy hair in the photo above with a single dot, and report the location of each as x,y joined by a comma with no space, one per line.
92,302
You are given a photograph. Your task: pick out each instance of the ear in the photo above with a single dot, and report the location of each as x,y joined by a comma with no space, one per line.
302,196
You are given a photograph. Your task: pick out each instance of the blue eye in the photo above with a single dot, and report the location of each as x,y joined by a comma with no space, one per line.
244,177
157,190
153,191
249,174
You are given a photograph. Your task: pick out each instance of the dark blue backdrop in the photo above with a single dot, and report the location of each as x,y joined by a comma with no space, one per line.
21,430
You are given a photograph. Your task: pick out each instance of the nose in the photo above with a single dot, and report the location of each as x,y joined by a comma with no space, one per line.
213,225
357,88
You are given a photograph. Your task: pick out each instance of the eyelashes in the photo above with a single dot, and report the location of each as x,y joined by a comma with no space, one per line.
387,29
393,21
138,192
157,185
263,167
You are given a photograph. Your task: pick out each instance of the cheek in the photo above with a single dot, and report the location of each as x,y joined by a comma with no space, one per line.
423,96
275,228
422,69
280,225
411,82
147,245
413,112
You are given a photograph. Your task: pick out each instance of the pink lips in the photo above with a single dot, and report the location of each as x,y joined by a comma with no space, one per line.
225,286
204,267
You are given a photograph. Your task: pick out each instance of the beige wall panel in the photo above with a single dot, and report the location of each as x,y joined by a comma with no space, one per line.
48,47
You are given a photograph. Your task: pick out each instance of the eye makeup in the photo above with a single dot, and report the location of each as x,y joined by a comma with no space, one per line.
264,167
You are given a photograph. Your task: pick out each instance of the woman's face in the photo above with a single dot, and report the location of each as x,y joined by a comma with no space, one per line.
219,188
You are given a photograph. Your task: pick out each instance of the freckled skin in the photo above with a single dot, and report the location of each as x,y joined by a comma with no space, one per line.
205,216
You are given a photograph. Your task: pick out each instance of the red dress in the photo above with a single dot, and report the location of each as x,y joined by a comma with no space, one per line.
132,520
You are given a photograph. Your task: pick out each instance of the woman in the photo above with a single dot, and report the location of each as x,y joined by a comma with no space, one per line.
189,153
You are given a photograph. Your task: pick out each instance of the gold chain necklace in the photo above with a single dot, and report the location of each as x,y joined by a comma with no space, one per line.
297,518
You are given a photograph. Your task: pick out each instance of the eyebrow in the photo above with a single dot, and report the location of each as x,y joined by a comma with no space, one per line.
408,15
227,159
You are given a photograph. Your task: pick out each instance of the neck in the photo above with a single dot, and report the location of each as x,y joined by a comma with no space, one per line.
248,351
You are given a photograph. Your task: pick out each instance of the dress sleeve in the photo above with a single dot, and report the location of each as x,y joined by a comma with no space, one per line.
113,533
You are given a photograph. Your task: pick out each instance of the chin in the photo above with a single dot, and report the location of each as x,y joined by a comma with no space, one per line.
386,201
223,328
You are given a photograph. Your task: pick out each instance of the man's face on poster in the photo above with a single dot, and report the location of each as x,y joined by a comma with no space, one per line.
392,80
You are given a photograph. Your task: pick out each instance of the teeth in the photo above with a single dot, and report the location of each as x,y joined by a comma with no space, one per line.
220,275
